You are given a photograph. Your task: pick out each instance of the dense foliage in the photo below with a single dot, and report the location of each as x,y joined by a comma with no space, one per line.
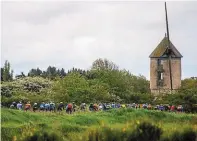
186,96
6,72
104,82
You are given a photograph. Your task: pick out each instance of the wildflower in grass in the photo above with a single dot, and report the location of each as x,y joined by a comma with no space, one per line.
160,125
127,124
173,129
124,129
195,127
33,129
14,138
31,133
138,122
80,138
23,133
102,123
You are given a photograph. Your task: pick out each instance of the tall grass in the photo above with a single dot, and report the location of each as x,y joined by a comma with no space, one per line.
20,125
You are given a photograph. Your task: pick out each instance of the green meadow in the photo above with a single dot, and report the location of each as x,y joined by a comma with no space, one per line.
112,125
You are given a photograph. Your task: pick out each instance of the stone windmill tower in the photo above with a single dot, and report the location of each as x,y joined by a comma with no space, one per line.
165,66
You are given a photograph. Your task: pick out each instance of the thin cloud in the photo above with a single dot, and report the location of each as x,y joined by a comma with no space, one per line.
74,34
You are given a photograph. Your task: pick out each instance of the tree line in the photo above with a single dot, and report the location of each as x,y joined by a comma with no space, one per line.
6,72
104,82
51,72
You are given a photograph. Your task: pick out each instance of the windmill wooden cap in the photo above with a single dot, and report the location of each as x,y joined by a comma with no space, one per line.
160,50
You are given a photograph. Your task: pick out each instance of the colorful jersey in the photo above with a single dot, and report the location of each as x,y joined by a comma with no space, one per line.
27,106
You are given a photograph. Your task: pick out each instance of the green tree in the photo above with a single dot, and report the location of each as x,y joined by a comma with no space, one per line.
75,87
38,72
187,98
104,64
70,88
189,83
6,72
34,72
62,72
20,75
122,83
51,72
99,91
2,70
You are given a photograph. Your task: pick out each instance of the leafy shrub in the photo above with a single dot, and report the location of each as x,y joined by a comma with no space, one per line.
186,135
8,132
66,128
145,132
106,134
33,84
7,101
6,91
44,136
142,132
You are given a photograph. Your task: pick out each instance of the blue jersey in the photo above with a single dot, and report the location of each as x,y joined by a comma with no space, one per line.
19,106
42,105
47,105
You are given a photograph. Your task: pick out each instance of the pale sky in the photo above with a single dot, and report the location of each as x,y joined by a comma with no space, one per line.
74,34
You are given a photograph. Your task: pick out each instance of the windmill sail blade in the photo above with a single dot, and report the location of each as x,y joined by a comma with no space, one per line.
168,48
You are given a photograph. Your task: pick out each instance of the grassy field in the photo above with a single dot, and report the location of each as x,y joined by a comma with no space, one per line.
119,124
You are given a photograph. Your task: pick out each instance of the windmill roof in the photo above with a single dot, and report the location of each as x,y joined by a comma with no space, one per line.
161,49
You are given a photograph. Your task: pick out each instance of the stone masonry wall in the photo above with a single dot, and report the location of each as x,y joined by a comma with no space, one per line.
176,75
